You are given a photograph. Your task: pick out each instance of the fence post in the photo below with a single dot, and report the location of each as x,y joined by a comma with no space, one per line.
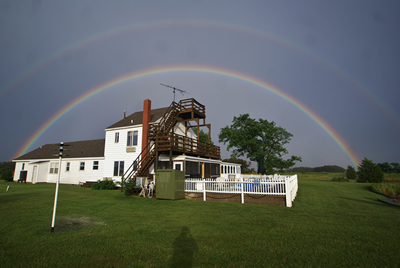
204,190
242,190
288,192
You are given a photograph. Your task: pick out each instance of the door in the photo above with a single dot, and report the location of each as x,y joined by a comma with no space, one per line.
34,174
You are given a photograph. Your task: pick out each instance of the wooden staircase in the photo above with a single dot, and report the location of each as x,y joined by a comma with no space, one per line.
162,138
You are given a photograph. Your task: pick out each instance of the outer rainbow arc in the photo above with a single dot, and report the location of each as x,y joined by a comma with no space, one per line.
134,75
166,23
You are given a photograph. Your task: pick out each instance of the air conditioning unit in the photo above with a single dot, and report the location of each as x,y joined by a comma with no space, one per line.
130,149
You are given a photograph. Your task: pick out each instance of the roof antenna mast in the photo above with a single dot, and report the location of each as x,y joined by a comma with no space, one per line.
174,88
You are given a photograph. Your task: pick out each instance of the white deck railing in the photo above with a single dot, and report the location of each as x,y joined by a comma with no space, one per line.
247,184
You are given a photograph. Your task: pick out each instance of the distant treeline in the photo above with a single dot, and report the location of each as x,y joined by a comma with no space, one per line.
7,171
330,169
389,167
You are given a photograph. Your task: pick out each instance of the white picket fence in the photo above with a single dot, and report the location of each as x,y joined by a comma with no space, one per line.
247,184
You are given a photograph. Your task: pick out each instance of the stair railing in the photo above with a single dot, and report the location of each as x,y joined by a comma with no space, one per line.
140,162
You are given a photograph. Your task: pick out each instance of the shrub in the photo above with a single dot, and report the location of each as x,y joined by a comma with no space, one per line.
127,185
351,173
6,175
103,185
369,172
386,188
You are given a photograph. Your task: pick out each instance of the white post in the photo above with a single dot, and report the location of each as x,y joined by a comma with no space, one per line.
204,190
288,192
242,190
57,185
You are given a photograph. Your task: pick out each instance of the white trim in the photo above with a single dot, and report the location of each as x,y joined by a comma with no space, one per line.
124,127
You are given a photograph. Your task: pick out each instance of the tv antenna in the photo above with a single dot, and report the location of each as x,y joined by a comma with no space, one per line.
174,88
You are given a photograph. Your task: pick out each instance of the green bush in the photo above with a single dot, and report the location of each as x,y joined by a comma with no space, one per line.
369,172
128,187
103,185
351,173
386,188
6,175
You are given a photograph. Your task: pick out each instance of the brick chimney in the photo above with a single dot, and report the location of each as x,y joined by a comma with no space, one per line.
146,122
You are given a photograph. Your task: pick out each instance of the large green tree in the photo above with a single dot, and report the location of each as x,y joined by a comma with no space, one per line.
250,138
369,172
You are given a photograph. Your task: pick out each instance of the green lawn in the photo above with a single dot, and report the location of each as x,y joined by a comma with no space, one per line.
331,224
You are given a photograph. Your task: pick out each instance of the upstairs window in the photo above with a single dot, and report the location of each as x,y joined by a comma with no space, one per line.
132,138
116,137
95,165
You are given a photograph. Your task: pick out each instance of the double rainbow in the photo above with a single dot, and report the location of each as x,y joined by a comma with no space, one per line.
150,25
203,69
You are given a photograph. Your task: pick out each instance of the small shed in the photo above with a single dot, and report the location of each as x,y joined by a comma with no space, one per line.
170,184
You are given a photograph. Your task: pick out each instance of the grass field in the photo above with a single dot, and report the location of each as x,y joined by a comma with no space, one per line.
331,224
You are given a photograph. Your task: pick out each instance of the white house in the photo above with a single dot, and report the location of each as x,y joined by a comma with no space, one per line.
135,146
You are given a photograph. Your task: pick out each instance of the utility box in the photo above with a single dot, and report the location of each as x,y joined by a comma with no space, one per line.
170,184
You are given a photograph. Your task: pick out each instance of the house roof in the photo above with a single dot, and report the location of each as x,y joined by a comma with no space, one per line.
77,149
137,118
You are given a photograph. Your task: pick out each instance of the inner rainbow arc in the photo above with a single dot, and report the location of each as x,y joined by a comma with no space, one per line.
205,69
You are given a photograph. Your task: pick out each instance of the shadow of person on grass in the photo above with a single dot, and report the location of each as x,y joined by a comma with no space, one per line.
184,248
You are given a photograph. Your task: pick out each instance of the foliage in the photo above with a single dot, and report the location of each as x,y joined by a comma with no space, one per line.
245,169
391,177
389,168
351,173
386,188
103,185
7,171
369,172
127,185
204,138
327,168
250,138
340,179
7,175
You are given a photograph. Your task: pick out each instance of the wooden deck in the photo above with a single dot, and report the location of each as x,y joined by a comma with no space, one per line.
184,145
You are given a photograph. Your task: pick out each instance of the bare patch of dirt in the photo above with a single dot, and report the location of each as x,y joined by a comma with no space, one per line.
68,224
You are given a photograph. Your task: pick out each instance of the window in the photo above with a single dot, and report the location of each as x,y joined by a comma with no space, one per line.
192,169
118,168
132,138
67,167
215,169
95,165
53,168
23,166
116,137
178,166
82,166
